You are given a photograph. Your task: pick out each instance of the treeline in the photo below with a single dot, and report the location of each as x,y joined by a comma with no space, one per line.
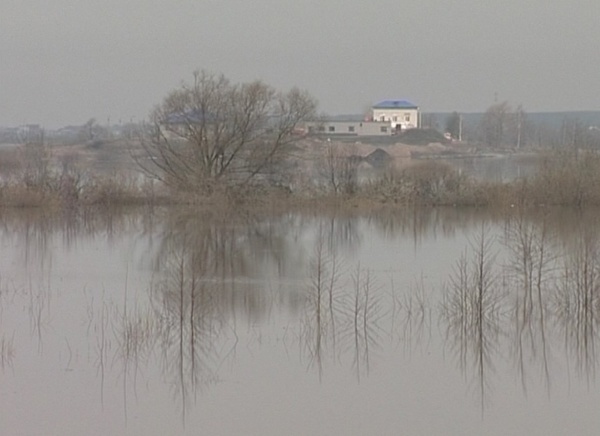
503,125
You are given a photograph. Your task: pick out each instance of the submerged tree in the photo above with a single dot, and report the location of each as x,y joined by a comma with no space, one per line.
213,131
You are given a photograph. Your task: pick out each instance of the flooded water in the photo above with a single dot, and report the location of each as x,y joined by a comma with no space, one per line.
433,322
499,169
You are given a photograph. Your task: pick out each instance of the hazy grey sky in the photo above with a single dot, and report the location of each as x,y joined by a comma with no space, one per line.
65,61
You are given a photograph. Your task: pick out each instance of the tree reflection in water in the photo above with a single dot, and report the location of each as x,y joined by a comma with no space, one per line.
533,306
190,324
549,279
323,303
135,334
490,310
529,274
577,302
411,315
7,352
342,311
471,312
364,330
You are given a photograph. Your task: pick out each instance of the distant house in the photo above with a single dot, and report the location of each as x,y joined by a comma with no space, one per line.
401,114
388,117
178,125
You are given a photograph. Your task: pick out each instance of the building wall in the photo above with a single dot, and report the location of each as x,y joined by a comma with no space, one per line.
350,128
406,118
376,128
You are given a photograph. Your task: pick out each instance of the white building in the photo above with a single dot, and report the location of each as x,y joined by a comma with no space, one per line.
402,114
350,128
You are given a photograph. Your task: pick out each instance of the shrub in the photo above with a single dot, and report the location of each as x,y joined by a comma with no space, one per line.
570,178
429,182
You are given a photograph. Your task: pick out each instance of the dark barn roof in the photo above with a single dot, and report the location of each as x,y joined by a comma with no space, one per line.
379,158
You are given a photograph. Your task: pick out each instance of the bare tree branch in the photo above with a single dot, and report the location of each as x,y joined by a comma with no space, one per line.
213,131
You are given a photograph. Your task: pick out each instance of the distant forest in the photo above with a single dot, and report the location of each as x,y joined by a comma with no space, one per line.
502,125
586,118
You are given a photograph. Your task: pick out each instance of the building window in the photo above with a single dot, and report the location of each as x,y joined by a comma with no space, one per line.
395,118
351,128
383,129
407,117
382,118
332,128
321,128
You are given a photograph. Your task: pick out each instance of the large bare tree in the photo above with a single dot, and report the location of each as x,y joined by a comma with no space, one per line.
212,131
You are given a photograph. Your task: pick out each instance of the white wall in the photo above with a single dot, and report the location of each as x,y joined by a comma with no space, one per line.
350,128
407,118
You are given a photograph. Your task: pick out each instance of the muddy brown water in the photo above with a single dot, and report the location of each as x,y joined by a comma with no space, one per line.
436,322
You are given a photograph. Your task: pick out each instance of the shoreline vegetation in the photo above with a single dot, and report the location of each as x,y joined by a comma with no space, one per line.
216,144
31,176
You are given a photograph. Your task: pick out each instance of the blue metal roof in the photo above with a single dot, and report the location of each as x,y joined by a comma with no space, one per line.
395,104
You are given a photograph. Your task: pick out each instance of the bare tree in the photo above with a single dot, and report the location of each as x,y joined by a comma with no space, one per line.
340,170
494,124
429,121
503,126
213,131
520,126
34,156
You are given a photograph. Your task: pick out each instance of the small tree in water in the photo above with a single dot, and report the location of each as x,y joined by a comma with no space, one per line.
212,132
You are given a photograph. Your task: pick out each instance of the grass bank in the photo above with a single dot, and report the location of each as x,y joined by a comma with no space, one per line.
29,178
569,179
